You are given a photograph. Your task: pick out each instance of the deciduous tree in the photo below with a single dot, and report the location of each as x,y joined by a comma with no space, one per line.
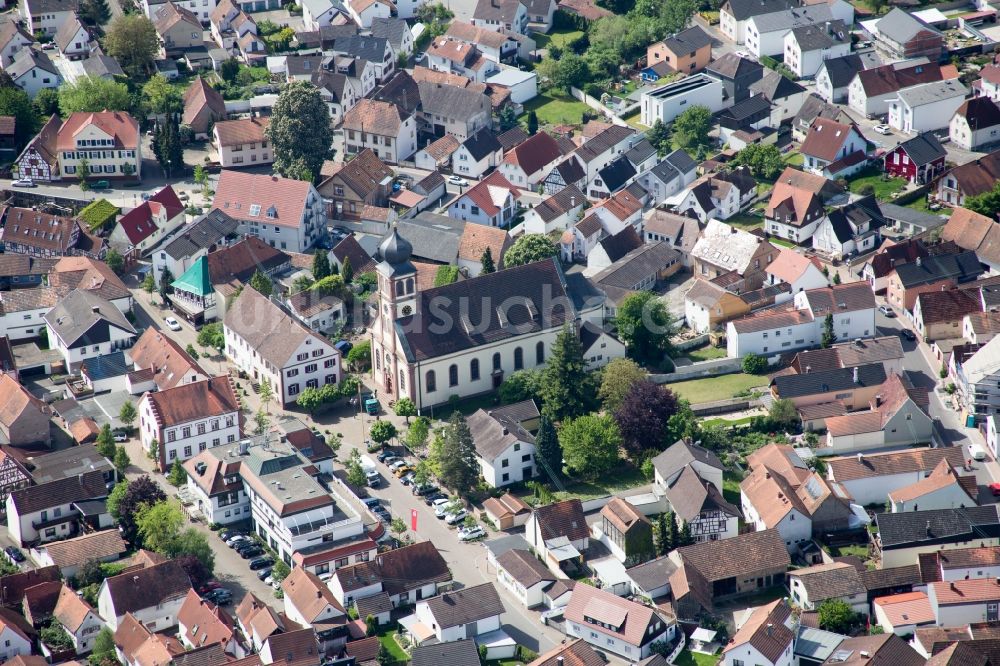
784,413
161,97
836,615
643,417
131,39
521,385
645,325
617,378
211,336
764,160
355,472
15,102
299,131
754,364
127,414
121,460
417,433
382,431
177,476
590,444
690,130
106,442
92,94
129,500
261,283
659,137
406,408
159,524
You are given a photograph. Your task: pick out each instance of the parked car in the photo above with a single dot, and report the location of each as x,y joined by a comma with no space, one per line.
457,517
441,506
385,456
246,545
977,452
472,534
409,478
883,129
220,596
421,489
105,185
371,502
908,334
253,551
23,182
235,541
209,586
120,437
887,311
264,573
395,463
14,554
227,534
995,489
458,180
402,471
261,562
172,324
429,500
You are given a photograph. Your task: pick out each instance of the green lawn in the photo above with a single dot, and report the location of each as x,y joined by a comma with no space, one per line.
559,39
731,488
794,159
782,242
688,658
884,188
727,423
746,221
856,549
706,353
921,205
710,389
623,477
386,637
556,108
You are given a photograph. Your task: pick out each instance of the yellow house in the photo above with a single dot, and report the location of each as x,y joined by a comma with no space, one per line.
707,306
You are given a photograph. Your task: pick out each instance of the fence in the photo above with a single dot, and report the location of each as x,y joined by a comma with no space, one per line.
723,406
597,106
691,343
715,366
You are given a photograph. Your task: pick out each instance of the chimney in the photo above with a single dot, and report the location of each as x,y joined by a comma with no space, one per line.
808,368
861,457
951,585
919,262
927,528
95,309
319,594
856,376
770,629
135,579
829,28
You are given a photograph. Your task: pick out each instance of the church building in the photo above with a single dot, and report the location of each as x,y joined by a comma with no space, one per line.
462,339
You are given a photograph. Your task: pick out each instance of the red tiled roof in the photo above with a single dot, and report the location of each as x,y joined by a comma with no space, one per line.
239,132
534,154
825,139
138,223
285,198
482,193
187,402
119,125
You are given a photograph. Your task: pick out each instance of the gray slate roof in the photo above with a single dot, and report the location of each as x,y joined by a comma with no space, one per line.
467,605
455,653
27,59
688,41
102,66
204,232
839,379
937,526
901,26
791,18
83,316
364,47
391,29
452,101
817,36
433,237
842,70
774,86
494,433
744,9
935,91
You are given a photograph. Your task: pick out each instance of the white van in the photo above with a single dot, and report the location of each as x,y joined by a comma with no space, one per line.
977,452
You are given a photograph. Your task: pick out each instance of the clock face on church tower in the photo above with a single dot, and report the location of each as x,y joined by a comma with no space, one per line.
407,310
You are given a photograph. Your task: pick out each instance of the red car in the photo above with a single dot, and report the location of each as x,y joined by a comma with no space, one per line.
995,489
209,586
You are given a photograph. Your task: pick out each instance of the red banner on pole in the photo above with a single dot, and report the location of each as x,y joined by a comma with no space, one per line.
413,519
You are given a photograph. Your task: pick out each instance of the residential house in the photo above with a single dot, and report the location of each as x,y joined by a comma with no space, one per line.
24,419
679,231
666,102
375,50
201,623
71,554
926,107
626,532
310,603
153,595
880,266
108,141
834,150
931,274
540,14
492,202
458,57
698,503
527,164
980,327
835,75
879,648
612,248
807,47
558,533
895,417
797,271
976,124
349,250
477,154
50,511
437,154
556,212
507,511
178,28
781,493
39,159
217,487
524,576
903,614
977,379
715,196
464,651
475,242
286,214
240,143
73,39
189,418
723,248
37,234
708,306
796,207
606,621
350,186
920,159
500,15
84,325
736,73
734,14
396,31
961,602
33,71
202,10
639,269
364,12
687,52
938,315
16,642
147,224
467,613
671,174
901,35
165,360
407,575
46,16
714,571
297,359
767,636
319,13
904,536
786,96
872,91
500,440
78,619
850,230
969,179
13,38
385,128
974,232
811,586
944,488
869,477
857,387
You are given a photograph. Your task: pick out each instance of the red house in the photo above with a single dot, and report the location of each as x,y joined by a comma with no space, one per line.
919,160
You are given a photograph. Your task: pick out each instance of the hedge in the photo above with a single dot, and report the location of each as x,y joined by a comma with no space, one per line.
99,213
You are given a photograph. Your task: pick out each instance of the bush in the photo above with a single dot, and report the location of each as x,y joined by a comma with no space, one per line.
99,214
866,190
754,364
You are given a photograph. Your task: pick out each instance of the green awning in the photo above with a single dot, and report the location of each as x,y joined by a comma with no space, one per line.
195,279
